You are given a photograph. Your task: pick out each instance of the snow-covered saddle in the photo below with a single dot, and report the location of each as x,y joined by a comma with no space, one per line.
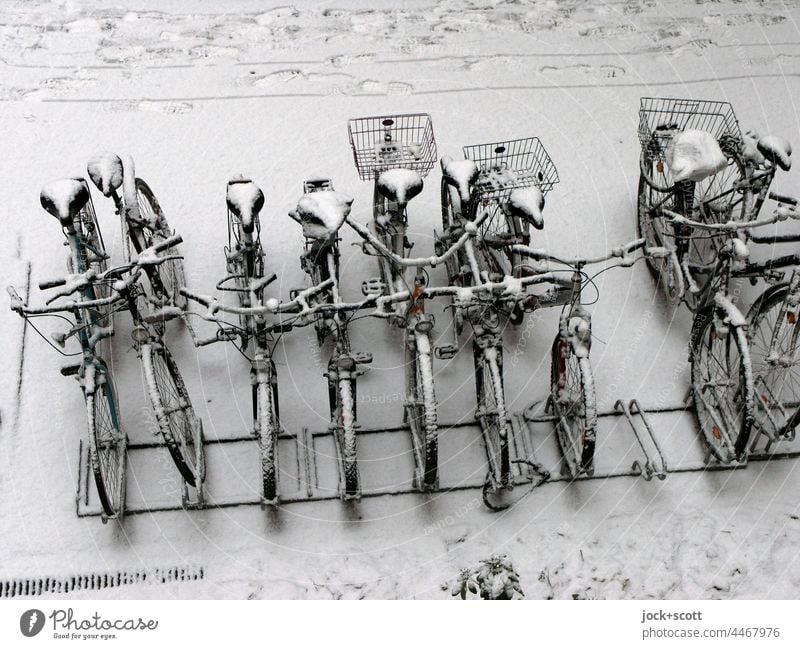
527,203
777,150
694,155
322,213
400,185
461,174
64,198
245,200
105,170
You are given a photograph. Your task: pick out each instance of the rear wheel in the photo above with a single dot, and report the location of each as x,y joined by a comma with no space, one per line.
170,272
776,377
574,406
107,443
452,214
722,384
267,432
174,412
491,415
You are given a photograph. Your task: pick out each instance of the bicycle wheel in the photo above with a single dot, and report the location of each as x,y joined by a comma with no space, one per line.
346,438
267,433
659,233
492,414
451,214
173,409
776,377
170,272
722,386
574,406
107,442
423,407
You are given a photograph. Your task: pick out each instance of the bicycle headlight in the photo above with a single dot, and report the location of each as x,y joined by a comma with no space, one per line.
425,323
140,335
345,363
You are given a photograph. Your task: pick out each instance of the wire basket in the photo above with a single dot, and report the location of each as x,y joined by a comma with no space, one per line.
507,165
659,118
392,142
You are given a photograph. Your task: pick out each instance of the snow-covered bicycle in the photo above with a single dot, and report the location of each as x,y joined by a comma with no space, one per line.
695,162
101,292
396,152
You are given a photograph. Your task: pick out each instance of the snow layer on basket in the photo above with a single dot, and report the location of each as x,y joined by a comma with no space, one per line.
694,155
777,150
105,170
323,213
528,202
400,184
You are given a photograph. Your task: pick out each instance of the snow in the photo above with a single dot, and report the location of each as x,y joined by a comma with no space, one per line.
777,150
247,198
105,170
694,155
63,197
528,202
462,173
323,213
400,185
268,92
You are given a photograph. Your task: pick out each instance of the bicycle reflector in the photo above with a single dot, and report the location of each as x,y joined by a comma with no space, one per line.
345,363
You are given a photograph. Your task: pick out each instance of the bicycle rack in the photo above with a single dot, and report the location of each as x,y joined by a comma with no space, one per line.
652,467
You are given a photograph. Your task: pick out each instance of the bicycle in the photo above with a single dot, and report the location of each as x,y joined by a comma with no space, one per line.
69,201
396,152
256,338
723,384
321,212
732,186
142,222
509,180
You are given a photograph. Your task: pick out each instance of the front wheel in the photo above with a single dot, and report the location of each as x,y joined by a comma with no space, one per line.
773,340
350,488
492,415
107,442
722,385
422,402
573,400
173,409
267,434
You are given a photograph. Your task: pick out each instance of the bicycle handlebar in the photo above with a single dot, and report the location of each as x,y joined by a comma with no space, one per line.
781,214
470,230
783,199
622,252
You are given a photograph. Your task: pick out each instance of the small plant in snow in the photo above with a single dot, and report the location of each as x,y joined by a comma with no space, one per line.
492,578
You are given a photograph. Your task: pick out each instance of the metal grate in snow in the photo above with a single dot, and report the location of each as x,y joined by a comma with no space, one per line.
32,587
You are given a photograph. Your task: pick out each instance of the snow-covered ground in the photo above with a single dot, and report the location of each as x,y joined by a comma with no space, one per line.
198,93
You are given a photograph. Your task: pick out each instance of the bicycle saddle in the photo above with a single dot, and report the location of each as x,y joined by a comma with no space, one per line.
64,198
400,185
322,213
461,174
245,200
777,150
105,170
527,203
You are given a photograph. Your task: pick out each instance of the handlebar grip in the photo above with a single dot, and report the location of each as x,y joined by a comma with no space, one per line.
782,199
169,242
51,283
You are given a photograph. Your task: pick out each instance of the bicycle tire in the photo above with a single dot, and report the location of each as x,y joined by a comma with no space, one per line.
452,213
492,412
170,272
776,384
267,434
574,405
657,232
424,413
722,359
346,430
173,409
107,443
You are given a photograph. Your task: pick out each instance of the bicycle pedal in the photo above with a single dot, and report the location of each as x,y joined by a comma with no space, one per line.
70,370
373,286
445,352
